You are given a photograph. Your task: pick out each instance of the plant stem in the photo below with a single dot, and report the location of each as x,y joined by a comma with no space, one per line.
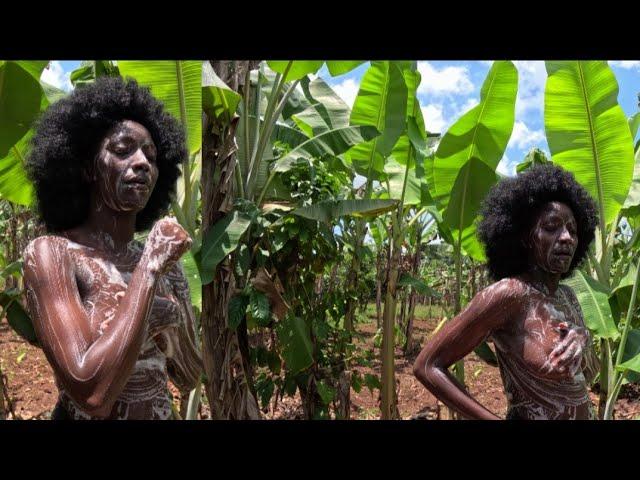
611,401
613,395
459,366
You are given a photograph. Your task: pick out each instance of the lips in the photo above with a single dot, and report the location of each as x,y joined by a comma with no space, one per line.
137,182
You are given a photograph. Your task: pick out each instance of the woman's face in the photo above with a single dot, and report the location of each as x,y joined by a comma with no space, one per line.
126,169
553,238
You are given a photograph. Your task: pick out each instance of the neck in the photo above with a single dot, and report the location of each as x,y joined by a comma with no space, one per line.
113,229
549,280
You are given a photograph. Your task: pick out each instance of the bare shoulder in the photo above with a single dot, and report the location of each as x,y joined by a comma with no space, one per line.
44,250
504,290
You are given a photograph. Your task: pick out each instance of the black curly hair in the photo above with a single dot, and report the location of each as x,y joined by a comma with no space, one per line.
508,209
67,138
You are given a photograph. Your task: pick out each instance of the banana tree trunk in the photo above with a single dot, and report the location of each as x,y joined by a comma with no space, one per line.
379,276
413,296
229,385
389,400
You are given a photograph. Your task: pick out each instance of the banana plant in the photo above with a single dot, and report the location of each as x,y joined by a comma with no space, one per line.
589,135
22,97
285,120
464,168
381,103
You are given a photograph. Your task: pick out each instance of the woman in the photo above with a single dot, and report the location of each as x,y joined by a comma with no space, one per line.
536,229
112,315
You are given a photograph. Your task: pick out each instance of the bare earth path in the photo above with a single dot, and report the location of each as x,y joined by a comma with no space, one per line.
33,392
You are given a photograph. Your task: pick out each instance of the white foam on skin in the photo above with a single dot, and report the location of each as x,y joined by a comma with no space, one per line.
105,287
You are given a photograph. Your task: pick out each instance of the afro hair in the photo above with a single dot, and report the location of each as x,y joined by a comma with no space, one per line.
509,209
67,138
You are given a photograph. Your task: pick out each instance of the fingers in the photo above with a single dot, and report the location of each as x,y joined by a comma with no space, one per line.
564,344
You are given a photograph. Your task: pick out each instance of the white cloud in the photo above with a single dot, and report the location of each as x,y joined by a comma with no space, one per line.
447,80
626,64
465,107
532,78
434,120
347,90
505,167
55,75
522,137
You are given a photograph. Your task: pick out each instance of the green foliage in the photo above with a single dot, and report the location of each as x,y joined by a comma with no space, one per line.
594,300
381,103
468,154
219,241
178,83
587,130
20,99
218,100
297,349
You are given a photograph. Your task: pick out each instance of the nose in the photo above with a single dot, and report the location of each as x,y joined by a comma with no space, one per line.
566,236
139,162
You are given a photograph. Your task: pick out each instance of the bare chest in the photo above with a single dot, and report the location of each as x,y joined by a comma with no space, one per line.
543,323
102,284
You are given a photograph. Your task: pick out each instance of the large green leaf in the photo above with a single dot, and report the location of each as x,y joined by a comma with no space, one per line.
381,103
299,68
89,70
418,285
594,301
468,154
177,83
329,143
193,278
17,317
221,239
633,197
34,67
288,135
396,173
14,184
327,111
631,356
297,349
237,310
244,158
587,130
329,210
20,99
218,100
340,67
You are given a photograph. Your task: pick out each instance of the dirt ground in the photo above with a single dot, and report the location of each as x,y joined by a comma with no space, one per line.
33,392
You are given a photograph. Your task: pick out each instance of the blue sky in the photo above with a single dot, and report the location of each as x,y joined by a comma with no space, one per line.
450,88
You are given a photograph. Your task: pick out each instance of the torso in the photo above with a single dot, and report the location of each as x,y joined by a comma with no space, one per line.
102,282
523,348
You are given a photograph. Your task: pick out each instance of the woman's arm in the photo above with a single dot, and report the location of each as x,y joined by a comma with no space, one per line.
488,310
94,372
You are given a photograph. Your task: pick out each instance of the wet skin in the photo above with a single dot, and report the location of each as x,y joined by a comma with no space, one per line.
537,328
104,306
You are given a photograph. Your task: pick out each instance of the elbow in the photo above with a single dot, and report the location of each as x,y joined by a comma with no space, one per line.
91,399
423,370
97,406
429,370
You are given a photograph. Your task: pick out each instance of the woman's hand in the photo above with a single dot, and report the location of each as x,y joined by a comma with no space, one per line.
166,243
566,357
